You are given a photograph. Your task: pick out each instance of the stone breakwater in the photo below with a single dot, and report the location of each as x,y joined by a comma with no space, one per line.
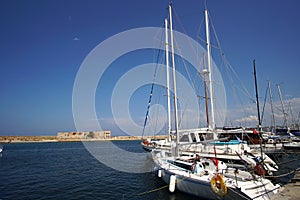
16,139
20,139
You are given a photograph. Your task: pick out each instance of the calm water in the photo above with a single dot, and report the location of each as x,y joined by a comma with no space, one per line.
69,171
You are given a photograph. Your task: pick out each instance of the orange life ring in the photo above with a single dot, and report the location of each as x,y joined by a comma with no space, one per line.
218,185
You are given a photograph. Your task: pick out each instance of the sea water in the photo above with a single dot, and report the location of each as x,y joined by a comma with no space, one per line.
67,170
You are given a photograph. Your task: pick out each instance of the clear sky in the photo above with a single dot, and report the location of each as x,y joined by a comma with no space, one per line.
43,44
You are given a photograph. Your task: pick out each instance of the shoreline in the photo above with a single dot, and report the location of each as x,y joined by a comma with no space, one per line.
44,139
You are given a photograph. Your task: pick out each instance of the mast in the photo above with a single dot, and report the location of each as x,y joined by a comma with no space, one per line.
282,106
257,102
292,116
298,120
258,112
168,80
205,72
174,82
212,124
271,102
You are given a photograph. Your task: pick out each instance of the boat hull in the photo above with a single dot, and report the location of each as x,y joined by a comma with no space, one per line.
293,146
196,188
179,175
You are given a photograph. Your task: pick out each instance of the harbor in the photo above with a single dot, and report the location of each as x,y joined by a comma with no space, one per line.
79,175
151,100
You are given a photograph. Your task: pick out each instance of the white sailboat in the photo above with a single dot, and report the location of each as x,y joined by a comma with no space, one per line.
203,177
204,139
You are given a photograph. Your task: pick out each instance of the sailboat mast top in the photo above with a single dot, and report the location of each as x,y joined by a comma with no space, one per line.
283,109
256,94
174,79
212,124
271,102
168,79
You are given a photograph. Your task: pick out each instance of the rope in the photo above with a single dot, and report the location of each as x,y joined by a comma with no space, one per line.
265,100
286,174
282,163
157,189
265,188
151,93
154,190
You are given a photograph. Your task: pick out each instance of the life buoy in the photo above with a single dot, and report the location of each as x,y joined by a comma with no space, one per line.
218,185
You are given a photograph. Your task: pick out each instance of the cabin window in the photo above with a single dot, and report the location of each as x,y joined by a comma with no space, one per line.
201,136
184,138
193,137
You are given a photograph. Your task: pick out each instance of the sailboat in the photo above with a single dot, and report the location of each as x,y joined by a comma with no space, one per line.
293,145
202,177
233,152
206,179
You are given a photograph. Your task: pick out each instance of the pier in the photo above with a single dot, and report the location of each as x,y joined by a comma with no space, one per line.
291,190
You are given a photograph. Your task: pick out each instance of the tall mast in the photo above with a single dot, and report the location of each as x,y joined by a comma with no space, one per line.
205,72
174,82
212,124
257,102
282,106
168,79
271,102
258,111
298,120
292,116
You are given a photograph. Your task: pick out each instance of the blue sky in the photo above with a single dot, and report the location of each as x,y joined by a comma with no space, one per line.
43,43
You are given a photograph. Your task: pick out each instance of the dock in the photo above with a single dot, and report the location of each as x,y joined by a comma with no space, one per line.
291,190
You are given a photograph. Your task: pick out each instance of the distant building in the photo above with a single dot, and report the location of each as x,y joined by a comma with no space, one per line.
84,135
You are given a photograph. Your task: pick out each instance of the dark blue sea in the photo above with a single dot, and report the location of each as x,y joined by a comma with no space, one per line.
76,170
67,170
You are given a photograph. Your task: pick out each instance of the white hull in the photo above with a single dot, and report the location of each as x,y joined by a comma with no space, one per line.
295,146
199,185
196,187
